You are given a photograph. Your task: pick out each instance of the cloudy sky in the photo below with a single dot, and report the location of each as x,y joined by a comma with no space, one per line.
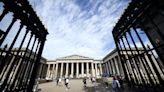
82,27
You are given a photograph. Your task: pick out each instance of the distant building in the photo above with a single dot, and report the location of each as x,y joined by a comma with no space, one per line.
73,66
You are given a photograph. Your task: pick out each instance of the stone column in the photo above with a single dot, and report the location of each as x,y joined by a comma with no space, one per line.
48,70
56,70
109,66
96,70
92,69
53,71
107,69
120,66
87,69
61,70
104,69
112,63
66,74
100,69
116,62
77,70
72,69
82,69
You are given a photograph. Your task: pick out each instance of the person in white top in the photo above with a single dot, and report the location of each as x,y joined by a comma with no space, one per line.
60,81
115,84
66,80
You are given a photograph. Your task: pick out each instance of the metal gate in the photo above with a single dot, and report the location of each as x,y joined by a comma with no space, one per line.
22,38
139,38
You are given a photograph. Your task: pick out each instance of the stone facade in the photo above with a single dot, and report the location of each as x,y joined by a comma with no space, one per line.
73,66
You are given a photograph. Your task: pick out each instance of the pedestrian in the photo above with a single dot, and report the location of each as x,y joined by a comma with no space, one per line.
93,80
57,81
105,80
60,81
85,82
115,84
66,80
120,80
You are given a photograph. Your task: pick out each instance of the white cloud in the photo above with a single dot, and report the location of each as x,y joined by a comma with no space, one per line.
74,29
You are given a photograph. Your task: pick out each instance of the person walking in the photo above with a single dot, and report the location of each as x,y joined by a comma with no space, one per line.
57,81
105,80
66,80
116,84
60,81
85,82
94,81
120,80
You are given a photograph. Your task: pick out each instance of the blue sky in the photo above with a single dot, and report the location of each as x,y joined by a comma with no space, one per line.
82,27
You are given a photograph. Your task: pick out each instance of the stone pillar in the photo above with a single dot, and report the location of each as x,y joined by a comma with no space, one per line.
56,70
101,72
112,63
53,71
61,70
109,66
120,66
48,70
107,69
77,70
66,74
92,70
87,69
116,62
82,69
104,69
72,70
96,70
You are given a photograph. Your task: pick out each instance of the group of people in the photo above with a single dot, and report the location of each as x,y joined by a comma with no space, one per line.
117,83
59,82
93,80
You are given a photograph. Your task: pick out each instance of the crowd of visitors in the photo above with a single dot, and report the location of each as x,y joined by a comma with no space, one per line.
117,83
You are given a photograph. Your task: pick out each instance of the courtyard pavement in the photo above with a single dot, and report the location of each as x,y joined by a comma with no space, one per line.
76,85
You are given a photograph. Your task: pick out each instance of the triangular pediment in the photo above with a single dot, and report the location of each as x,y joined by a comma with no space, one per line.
75,57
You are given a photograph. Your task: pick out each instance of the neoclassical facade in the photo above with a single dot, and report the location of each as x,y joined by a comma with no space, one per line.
112,64
137,67
73,66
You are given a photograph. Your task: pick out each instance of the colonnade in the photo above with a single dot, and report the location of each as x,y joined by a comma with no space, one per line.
113,67
74,69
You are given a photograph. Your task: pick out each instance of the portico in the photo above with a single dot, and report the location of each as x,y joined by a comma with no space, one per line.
74,66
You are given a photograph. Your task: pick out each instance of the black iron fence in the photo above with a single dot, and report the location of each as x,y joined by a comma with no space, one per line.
139,38
22,38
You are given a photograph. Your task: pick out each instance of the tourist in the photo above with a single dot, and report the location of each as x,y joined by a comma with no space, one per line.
115,84
91,80
84,81
120,80
66,80
60,81
94,81
57,81
105,80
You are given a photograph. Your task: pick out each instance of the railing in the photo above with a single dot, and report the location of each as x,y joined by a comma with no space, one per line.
21,46
139,38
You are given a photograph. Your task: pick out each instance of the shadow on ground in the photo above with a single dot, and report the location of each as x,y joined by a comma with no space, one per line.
98,88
